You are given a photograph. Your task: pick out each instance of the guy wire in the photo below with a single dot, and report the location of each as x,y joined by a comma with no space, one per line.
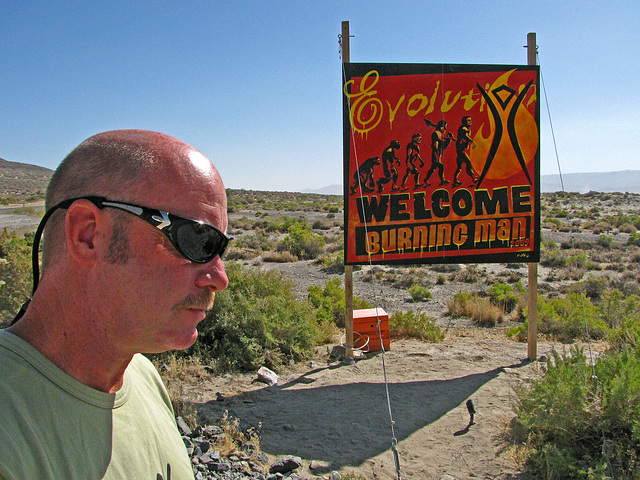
394,440
553,136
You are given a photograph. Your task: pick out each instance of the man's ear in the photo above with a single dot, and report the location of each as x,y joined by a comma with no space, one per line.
85,232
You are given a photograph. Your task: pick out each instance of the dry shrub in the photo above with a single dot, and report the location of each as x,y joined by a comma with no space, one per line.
478,309
178,372
628,228
485,313
279,257
321,225
241,223
241,253
234,438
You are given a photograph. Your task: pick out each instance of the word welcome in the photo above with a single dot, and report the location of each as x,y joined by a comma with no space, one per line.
402,207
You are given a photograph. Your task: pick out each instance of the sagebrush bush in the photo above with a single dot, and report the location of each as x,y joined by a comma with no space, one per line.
329,301
581,425
622,313
570,318
553,258
415,325
634,239
15,272
419,293
505,296
259,240
302,242
256,321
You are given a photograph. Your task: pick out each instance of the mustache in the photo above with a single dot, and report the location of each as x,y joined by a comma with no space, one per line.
201,301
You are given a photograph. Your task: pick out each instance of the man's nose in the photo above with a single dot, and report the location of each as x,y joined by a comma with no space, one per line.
213,275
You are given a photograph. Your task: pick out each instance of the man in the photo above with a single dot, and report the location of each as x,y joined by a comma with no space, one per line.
440,140
463,159
413,154
131,264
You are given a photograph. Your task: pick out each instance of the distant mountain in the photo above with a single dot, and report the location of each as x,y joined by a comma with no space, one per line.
330,190
22,180
622,181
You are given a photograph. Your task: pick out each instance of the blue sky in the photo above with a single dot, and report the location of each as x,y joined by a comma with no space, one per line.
256,85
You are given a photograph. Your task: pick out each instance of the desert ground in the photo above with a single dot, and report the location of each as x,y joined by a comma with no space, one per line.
335,415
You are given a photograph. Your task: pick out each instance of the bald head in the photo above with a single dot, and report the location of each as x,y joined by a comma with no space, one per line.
129,165
121,161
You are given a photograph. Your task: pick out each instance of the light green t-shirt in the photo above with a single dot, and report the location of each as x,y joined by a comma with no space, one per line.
54,427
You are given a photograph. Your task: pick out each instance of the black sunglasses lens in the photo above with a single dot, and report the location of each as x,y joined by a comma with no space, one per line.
200,243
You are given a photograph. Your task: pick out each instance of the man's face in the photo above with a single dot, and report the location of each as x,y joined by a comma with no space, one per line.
158,297
467,121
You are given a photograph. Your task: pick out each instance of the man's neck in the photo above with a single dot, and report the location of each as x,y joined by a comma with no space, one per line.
80,353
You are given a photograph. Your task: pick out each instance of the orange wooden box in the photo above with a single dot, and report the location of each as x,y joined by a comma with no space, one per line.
365,326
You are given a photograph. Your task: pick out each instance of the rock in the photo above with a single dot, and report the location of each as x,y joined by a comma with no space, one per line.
244,463
286,465
335,476
183,428
212,430
261,458
210,457
203,445
316,465
267,376
338,352
219,467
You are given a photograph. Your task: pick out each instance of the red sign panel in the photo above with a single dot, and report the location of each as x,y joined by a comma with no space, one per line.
441,163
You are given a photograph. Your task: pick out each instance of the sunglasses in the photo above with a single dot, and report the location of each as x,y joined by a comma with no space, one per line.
196,241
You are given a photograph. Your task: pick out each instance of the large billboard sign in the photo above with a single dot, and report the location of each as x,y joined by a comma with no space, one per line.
442,163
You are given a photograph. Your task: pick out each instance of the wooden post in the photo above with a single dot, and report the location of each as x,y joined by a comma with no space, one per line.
348,269
532,51
533,311
346,56
348,308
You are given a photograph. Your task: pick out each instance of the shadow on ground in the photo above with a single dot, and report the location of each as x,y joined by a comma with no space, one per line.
343,425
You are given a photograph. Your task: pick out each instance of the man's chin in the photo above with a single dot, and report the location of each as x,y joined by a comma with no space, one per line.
179,341
189,341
